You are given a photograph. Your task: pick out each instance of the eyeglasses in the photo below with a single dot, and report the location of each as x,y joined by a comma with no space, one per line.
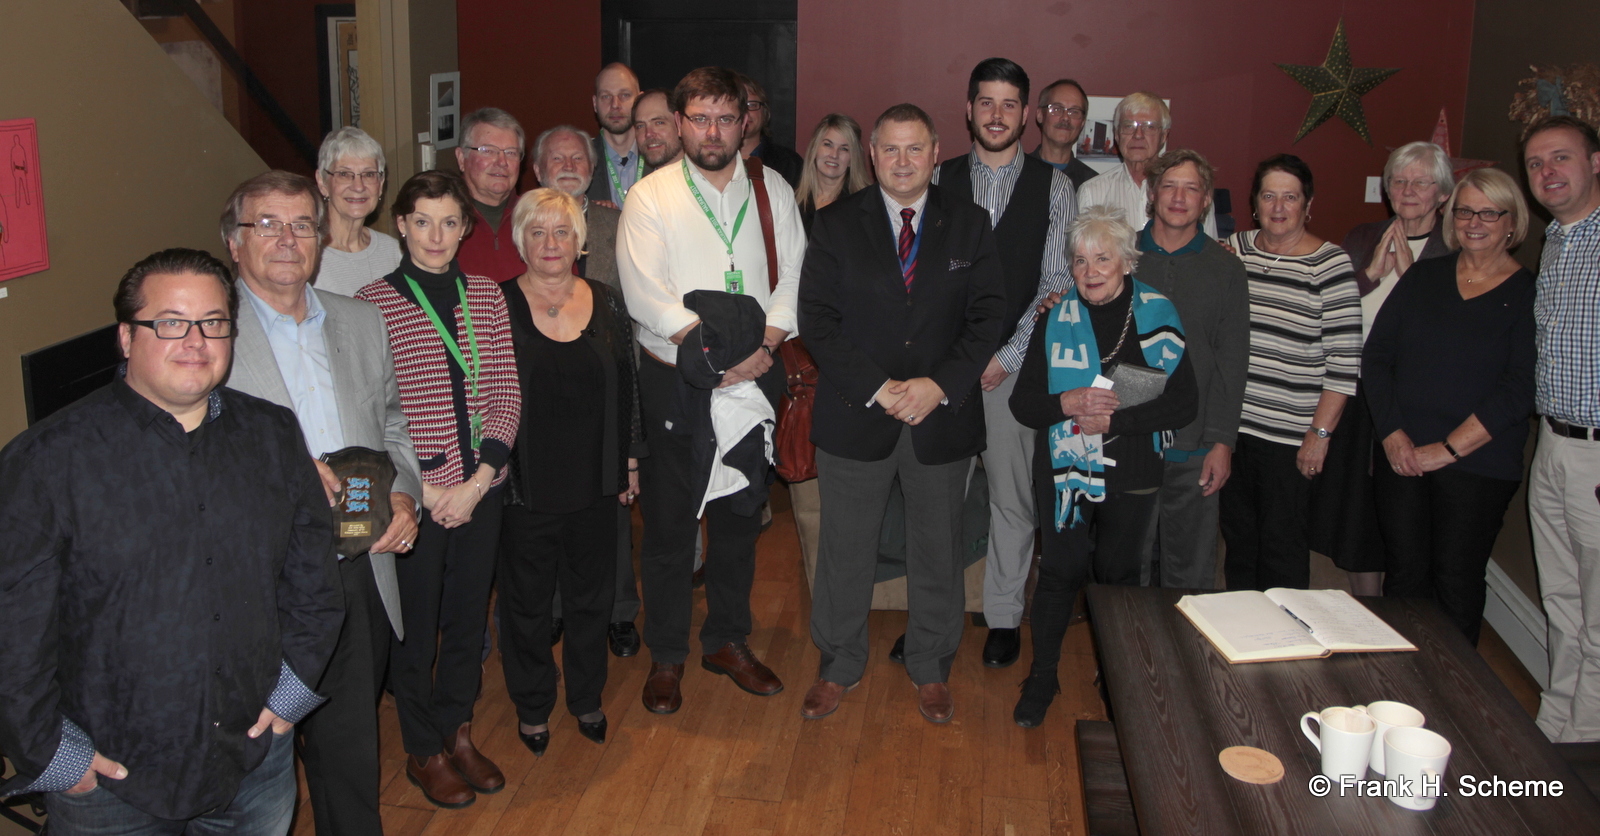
177,329
272,228
1419,185
700,120
754,104
346,178
511,155
1054,109
1488,216
1148,125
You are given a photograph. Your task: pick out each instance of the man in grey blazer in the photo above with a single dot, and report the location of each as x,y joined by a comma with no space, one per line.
327,357
564,158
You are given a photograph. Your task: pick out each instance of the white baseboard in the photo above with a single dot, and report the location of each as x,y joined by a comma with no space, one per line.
1519,621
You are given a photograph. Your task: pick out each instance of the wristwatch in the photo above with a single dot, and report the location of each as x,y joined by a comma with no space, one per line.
1321,433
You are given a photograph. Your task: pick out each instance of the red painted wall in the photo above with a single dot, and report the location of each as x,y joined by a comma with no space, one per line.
1215,61
534,58
279,42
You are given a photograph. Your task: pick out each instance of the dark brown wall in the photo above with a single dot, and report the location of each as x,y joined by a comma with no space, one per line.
535,59
133,159
1214,61
279,41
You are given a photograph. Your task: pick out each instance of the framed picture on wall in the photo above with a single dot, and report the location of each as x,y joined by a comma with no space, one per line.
337,50
24,246
444,101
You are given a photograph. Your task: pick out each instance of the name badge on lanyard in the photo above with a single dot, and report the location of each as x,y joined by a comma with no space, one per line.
732,278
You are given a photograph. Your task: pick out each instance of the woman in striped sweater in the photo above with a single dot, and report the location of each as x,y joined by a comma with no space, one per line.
457,372
1305,353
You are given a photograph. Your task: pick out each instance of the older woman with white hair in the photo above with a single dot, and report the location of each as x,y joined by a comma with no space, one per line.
576,457
1344,521
1105,382
350,172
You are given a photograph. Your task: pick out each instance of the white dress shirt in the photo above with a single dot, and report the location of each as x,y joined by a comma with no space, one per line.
667,247
1116,188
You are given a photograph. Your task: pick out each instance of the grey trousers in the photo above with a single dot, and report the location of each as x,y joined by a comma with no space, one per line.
1008,462
854,495
626,607
1185,542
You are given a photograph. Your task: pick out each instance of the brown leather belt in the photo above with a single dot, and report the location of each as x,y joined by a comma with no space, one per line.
1562,428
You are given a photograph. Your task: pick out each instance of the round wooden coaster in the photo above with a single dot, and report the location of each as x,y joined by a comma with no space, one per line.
1251,765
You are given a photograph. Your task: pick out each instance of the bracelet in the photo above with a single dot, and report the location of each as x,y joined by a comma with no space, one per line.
479,486
633,470
767,349
1451,450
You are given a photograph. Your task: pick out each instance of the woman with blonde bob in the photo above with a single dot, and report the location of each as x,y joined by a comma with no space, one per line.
835,165
1449,375
577,453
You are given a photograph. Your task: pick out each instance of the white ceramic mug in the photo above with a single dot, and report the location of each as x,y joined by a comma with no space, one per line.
1345,740
1388,715
1416,759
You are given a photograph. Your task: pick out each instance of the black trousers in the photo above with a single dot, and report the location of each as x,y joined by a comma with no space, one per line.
1106,547
539,554
666,557
339,740
1266,508
1439,529
444,595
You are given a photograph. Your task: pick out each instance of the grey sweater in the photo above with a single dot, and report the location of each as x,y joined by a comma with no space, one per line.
1212,295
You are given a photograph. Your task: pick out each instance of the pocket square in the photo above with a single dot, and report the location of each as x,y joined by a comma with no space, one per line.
958,264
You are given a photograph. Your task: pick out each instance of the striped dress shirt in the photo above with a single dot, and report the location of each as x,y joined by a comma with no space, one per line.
1305,336
991,189
1567,311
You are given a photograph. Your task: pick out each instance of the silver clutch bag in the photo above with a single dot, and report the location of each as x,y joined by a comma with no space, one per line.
1135,385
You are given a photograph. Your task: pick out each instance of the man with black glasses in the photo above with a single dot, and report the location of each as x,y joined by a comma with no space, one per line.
167,580
1063,111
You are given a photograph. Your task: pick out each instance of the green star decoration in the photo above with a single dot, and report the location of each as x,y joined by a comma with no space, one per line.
1336,87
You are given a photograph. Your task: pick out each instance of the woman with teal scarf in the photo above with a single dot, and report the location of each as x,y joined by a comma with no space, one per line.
1097,465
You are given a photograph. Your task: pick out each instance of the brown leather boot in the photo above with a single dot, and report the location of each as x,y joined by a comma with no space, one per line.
662,694
439,782
736,662
480,772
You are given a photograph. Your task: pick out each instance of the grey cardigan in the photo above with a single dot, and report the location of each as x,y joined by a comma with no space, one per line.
1212,295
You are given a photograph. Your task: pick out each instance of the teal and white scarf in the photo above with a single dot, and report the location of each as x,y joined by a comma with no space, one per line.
1077,458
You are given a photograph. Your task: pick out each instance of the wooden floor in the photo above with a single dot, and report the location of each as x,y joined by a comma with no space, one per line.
732,763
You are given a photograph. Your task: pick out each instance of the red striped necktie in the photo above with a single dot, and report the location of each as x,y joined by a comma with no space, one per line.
908,237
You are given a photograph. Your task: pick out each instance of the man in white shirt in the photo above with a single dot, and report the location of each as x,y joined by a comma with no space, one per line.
1142,123
696,226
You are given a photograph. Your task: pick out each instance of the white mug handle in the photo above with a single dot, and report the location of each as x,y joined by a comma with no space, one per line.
1425,773
1360,708
1305,727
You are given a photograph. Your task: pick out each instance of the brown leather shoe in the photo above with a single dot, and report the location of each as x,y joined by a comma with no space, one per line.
662,694
439,782
935,702
480,772
823,699
735,661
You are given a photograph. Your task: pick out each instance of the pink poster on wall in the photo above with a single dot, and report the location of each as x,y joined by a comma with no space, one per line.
23,246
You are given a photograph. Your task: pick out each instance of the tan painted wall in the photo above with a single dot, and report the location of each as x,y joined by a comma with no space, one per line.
133,160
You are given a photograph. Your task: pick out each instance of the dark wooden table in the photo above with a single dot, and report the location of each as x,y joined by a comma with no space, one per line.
1176,703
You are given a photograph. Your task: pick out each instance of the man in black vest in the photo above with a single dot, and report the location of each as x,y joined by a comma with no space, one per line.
1030,204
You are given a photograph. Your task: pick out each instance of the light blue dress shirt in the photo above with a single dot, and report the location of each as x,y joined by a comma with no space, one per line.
307,370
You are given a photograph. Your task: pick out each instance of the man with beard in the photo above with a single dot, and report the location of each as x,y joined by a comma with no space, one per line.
1029,205
1142,123
616,154
1063,111
563,159
758,134
655,129
695,227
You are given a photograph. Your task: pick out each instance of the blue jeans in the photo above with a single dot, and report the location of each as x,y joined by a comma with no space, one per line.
263,807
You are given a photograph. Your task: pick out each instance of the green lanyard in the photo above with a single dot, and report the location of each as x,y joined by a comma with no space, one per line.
470,371
737,222
616,182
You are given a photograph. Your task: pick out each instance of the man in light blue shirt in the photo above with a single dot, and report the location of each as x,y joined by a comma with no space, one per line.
327,357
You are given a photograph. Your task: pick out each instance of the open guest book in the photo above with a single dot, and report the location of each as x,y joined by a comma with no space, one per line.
1281,624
